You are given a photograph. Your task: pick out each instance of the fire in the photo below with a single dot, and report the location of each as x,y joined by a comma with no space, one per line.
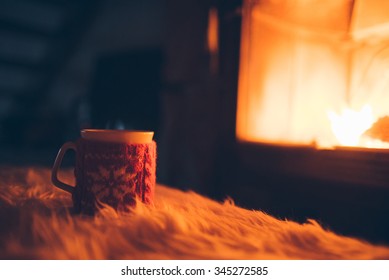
350,125
295,67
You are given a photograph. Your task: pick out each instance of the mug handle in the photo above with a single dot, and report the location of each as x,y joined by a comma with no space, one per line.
57,164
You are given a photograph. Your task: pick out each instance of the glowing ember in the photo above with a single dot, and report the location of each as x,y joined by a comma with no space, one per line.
350,125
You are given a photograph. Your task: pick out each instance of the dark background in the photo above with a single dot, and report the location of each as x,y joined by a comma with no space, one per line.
71,64
126,64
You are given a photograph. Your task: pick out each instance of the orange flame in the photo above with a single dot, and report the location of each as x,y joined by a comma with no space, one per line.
349,126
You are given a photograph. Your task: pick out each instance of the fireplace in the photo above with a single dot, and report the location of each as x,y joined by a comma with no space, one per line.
310,78
312,107
318,81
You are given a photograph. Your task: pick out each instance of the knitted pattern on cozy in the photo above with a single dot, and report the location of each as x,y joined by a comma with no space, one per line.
117,174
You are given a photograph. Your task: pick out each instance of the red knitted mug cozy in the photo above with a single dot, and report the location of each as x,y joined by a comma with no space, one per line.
114,174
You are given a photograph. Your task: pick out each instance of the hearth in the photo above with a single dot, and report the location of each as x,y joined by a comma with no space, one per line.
313,88
311,121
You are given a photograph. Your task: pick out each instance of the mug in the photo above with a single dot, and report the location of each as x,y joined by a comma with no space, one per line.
113,167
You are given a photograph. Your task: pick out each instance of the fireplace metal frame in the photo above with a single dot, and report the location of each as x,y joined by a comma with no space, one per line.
358,166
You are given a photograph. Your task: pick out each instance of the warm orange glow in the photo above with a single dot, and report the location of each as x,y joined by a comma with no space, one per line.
213,39
297,70
212,34
349,126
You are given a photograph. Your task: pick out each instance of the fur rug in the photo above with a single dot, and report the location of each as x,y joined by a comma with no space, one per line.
36,224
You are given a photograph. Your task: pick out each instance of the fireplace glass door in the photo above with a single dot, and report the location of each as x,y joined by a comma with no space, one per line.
313,72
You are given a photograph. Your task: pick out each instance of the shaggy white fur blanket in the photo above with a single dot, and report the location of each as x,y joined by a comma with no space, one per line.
36,224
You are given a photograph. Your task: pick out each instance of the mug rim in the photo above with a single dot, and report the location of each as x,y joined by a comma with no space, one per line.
117,135
101,130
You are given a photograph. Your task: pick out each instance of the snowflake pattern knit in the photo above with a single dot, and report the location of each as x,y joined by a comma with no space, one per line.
114,174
